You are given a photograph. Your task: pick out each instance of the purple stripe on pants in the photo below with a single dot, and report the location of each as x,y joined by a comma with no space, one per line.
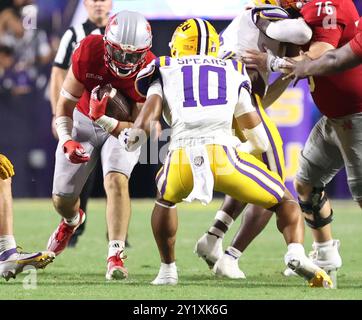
165,182
272,143
252,177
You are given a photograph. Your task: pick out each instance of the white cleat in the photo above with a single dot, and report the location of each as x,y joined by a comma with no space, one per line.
209,248
227,266
166,276
326,257
13,262
289,273
306,269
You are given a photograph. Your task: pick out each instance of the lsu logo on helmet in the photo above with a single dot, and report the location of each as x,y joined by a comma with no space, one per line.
194,37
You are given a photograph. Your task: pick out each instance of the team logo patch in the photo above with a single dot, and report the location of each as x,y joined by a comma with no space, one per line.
199,161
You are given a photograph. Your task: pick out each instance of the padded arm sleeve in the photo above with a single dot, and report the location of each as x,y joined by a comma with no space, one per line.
257,136
244,104
294,31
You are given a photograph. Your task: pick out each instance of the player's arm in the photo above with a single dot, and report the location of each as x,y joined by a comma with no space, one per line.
70,93
57,77
294,31
147,120
251,125
332,62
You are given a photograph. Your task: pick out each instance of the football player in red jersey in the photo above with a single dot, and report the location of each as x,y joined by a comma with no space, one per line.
115,58
335,141
349,56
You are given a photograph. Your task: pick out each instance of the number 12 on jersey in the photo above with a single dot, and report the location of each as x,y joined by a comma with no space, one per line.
204,85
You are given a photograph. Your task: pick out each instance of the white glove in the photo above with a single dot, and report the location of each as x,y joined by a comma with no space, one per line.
274,63
131,139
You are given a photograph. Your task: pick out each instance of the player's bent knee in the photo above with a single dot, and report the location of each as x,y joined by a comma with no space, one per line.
303,189
116,182
312,208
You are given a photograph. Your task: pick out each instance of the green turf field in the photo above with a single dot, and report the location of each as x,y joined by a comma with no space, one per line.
79,273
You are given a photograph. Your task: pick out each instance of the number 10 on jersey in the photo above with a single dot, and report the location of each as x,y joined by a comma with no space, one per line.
204,85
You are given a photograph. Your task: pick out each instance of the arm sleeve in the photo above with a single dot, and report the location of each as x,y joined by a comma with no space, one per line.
155,88
258,138
65,50
294,31
244,104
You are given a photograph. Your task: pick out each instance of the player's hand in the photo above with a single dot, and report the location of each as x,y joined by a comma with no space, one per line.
132,138
255,60
75,152
97,108
6,168
296,70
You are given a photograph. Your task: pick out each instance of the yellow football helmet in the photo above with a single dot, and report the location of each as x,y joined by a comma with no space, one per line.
194,37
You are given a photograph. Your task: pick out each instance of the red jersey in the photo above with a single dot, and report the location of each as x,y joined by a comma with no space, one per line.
356,43
334,22
89,68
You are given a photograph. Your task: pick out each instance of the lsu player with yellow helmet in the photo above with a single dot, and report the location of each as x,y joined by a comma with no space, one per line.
263,27
203,94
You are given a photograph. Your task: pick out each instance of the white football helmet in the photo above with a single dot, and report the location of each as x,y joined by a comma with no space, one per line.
127,40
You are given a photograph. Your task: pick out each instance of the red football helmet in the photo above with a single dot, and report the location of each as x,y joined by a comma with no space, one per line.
127,40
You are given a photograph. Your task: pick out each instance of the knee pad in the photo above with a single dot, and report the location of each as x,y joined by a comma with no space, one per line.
313,207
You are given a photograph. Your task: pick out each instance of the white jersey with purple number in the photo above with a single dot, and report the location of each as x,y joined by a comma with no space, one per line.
202,94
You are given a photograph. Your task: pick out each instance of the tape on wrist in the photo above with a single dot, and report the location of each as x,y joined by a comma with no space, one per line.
64,126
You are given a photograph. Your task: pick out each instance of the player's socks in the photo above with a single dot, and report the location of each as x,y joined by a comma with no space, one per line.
225,220
73,221
228,265
115,246
167,275
7,242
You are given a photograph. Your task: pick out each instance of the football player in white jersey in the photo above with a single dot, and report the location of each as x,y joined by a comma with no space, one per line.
204,93
259,28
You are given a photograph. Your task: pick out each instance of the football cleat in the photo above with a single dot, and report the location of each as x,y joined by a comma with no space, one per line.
315,276
115,267
13,262
327,257
227,266
60,238
166,276
209,248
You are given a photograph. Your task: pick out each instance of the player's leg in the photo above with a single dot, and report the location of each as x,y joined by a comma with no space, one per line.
174,183
209,246
83,197
69,180
320,160
117,166
13,262
247,179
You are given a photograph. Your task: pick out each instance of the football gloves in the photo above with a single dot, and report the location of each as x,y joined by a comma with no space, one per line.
132,138
75,152
97,108
6,168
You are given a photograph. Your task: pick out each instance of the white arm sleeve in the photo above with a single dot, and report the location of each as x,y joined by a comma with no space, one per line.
244,104
290,30
155,88
258,138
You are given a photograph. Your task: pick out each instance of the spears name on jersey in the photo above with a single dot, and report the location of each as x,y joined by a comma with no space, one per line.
334,22
89,68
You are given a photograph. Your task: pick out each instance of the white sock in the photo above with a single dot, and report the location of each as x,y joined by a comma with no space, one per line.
233,252
168,267
224,218
7,242
115,246
217,232
328,243
73,221
294,249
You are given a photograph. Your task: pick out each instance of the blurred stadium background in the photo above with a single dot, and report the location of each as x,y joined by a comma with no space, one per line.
25,62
